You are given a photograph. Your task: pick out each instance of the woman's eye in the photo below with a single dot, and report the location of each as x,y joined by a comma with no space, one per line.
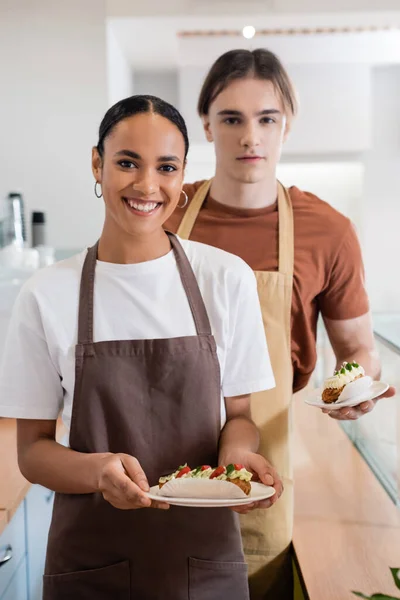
168,168
267,120
127,164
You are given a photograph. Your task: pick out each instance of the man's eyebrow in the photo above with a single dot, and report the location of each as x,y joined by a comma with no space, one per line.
238,113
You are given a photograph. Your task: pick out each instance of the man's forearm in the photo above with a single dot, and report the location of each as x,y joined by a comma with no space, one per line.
353,339
369,359
239,433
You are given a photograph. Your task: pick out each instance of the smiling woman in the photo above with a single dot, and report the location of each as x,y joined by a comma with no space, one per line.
150,348
139,162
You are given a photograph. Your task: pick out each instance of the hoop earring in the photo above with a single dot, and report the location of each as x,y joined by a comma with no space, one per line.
186,199
96,183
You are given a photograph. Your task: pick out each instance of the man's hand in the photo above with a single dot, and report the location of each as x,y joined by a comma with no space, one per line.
263,472
353,339
355,412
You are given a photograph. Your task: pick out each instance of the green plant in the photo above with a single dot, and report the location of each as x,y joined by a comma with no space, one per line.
396,578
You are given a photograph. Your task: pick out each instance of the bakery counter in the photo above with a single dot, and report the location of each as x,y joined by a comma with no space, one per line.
25,515
387,328
347,528
3,520
13,486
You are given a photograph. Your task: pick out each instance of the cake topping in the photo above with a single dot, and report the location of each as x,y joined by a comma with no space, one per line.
346,374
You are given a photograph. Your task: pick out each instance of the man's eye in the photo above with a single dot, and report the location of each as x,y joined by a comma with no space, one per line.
232,121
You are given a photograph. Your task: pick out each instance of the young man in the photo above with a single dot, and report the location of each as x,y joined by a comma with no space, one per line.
307,261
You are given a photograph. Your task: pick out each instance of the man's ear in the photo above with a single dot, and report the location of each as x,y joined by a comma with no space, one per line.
207,129
97,164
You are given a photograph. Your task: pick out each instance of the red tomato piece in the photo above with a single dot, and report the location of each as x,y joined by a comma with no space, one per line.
218,471
183,472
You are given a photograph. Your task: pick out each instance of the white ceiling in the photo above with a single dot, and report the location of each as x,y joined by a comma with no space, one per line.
151,43
125,8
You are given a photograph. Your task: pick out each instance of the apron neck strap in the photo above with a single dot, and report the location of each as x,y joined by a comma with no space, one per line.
85,318
191,214
191,287
286,233
86,295
285,211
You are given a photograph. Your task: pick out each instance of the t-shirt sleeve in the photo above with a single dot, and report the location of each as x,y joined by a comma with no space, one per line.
30,386
345,296
248,367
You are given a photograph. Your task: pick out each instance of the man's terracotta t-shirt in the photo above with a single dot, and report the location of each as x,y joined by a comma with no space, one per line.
328,267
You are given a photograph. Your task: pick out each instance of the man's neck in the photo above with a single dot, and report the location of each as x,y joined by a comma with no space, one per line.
230,192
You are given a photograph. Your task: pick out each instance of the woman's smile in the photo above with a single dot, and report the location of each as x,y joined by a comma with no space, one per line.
140,207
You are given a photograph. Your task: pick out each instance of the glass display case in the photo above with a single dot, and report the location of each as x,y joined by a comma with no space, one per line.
377,434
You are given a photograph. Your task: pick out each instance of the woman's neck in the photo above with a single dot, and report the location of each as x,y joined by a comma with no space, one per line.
116,246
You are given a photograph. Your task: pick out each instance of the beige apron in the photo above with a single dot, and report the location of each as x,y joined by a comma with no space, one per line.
267,534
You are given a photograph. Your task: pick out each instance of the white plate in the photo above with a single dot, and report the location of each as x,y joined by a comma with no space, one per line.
259,491
376,389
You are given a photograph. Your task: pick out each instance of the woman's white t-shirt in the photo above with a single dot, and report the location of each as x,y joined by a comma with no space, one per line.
135,301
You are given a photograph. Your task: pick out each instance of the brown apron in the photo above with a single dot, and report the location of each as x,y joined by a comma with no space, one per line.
267,534
158,400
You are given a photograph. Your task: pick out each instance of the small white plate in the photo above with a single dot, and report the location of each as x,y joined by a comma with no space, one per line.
259,491
376,389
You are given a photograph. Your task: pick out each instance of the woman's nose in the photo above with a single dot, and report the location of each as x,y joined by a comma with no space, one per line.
146,184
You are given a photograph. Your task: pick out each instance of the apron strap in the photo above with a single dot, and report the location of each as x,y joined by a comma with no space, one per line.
286,232
191,214
196,303
285,211
85,317
191,287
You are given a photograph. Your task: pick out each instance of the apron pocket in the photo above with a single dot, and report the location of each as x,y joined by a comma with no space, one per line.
217,580
102,584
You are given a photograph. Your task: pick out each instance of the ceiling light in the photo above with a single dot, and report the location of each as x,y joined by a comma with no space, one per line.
249,32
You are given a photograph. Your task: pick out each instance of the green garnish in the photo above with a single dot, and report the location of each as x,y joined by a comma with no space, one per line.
197,470
343,371
230,469
355,365
349,367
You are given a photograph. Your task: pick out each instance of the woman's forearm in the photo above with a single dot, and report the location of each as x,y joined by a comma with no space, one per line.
60,469
239,433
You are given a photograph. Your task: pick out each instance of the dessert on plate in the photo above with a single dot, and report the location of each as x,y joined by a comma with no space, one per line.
350,380
233,473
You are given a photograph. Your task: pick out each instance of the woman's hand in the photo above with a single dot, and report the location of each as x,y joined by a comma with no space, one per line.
123,482
263,472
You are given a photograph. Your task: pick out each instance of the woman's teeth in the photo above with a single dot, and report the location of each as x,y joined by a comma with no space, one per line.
143,207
